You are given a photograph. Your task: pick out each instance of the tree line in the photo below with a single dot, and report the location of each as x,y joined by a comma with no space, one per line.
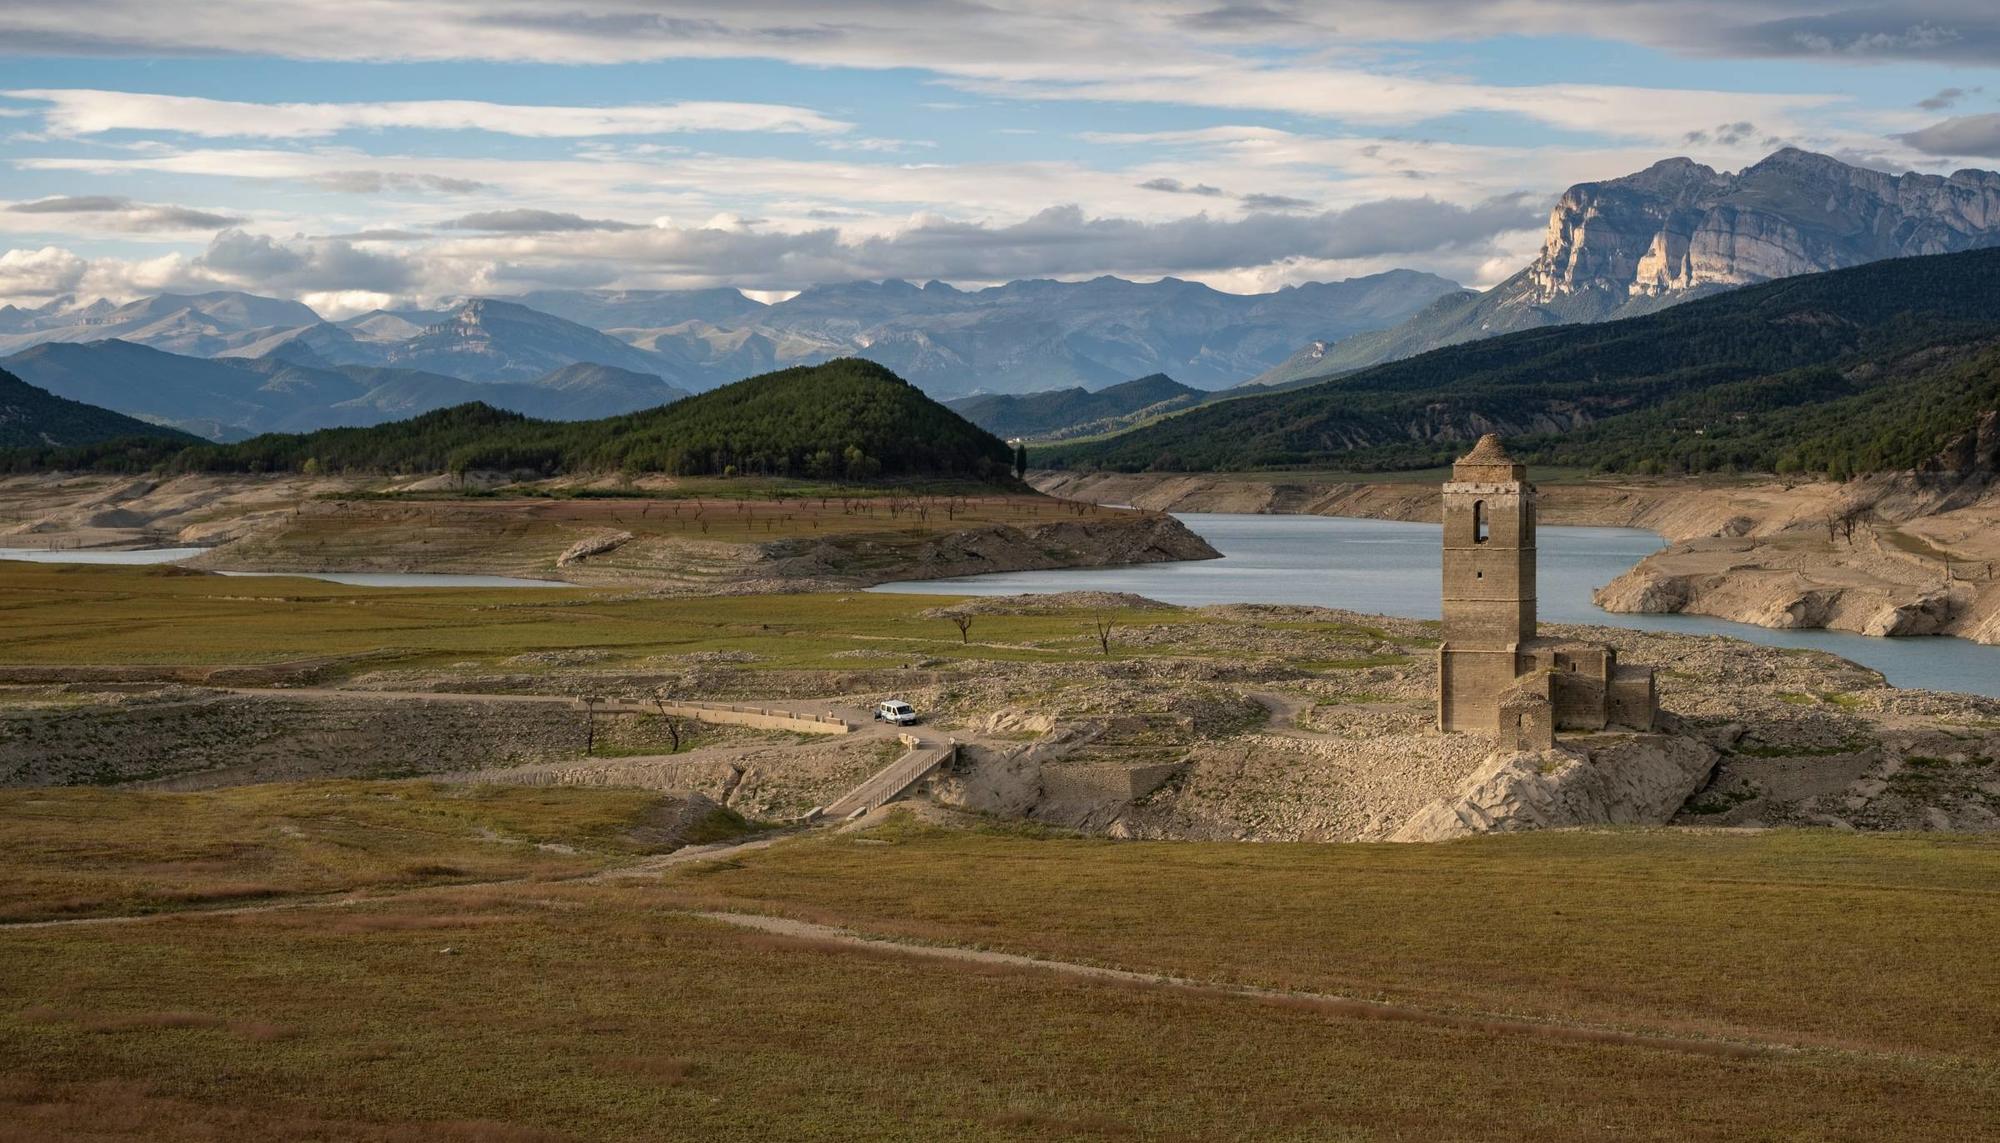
844,420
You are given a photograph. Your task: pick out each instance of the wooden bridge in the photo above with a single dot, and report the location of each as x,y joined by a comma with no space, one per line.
893,780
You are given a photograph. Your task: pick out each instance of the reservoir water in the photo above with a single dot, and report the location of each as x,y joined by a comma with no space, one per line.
1388,567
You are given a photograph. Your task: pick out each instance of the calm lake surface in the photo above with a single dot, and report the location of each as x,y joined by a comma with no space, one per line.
353,579
1388,567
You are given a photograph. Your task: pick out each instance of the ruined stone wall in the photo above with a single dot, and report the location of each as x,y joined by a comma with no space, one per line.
227,740
1470,683
1579,700
1630,699
1525,724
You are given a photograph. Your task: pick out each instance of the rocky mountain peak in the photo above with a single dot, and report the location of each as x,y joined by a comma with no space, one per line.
1679,174
1678,228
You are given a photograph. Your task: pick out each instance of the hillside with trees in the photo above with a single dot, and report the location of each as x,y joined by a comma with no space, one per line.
1068,412
1856,370
34,418
846,419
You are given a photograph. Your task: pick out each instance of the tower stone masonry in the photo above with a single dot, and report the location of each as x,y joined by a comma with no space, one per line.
1496,675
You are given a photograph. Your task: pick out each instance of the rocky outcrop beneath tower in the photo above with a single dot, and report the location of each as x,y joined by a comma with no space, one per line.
1630,779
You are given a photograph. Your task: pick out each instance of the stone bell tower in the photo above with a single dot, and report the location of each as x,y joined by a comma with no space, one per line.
1489,584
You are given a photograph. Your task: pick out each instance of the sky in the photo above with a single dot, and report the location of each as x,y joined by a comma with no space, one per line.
355,154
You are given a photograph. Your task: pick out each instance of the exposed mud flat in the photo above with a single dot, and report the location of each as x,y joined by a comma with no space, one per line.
699,545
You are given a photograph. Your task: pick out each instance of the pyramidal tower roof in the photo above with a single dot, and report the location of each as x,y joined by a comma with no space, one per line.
1488,463
1489,450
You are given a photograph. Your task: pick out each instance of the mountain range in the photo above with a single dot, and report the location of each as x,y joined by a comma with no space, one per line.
1868,368
1629,246
1892,365
230,398
1021,337
848,419
1679,230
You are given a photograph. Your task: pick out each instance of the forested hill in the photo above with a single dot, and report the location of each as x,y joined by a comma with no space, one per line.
1870,368
36,418
844,419
1057,411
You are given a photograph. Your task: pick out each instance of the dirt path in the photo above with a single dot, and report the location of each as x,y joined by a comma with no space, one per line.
347,898
824,935
1285,711
1320,1002
1345,1007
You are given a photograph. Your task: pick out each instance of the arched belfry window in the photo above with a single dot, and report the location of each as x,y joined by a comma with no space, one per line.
1480,530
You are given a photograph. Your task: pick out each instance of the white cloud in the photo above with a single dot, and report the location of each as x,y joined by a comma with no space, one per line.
45,273
1964,135
1062,241
1170,52
79,111
1384,99
92,213
986,37
525,221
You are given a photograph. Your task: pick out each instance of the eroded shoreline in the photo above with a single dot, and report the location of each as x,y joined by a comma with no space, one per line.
644,535
1900,555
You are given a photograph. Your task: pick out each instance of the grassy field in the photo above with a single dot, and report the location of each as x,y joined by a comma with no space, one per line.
342,526
84,852
56,614
1865,941
566,1010
482,985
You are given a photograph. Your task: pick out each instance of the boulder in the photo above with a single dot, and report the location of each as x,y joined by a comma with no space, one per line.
1639,779
594,546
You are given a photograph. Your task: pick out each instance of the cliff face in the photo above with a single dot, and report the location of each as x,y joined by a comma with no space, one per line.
1679,230
1679,226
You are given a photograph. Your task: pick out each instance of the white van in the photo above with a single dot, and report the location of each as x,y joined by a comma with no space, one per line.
896,711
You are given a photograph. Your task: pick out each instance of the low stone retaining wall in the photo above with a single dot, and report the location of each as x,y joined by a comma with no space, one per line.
730,714
221,740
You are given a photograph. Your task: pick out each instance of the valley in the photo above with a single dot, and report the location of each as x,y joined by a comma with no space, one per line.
999,573
239,791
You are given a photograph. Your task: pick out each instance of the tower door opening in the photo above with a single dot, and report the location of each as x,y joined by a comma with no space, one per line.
1480,530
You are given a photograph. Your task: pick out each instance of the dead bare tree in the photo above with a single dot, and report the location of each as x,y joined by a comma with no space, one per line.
590,723
963,621
1103,625
675,726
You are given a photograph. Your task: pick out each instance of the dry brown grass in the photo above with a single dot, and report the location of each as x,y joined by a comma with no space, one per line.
91,615
601,1019
1869,942
90,852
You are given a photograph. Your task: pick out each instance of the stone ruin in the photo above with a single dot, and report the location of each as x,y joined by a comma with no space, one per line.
1496,674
